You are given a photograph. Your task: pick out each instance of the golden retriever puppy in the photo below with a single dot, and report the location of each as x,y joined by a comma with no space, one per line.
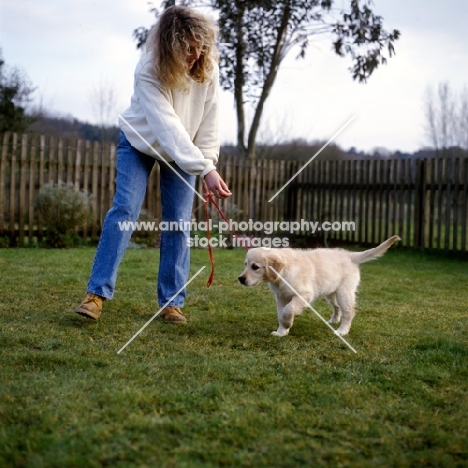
298,276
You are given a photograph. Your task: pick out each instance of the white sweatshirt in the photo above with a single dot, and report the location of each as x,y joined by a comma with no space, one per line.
182,126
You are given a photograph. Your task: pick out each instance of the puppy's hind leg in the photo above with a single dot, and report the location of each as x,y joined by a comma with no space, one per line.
336,317
347,303
286,313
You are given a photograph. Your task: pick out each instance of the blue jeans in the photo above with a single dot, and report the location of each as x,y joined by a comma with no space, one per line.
133,171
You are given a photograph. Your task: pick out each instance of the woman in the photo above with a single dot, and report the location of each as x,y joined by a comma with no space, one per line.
174,114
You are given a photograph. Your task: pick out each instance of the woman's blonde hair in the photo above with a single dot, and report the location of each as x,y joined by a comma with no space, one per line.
171,40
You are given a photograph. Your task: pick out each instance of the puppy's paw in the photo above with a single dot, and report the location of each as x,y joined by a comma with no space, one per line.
341,332
280,333
334,320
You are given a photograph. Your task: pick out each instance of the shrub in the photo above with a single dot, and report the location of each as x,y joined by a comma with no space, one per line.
63,209
4,242
146,237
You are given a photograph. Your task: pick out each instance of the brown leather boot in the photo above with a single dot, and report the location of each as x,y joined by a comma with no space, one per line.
172,314
91,307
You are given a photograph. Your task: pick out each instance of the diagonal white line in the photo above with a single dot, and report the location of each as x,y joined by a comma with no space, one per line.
315,312
142,138
312,158
159,311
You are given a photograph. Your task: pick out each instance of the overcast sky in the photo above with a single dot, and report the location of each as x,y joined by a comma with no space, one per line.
68,48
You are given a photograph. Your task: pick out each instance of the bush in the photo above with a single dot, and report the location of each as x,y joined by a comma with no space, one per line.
63,209
146,237
4,242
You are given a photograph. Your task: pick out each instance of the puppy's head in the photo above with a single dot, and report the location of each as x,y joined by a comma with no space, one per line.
261,264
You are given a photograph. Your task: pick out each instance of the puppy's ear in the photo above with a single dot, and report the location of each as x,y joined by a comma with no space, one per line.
274,265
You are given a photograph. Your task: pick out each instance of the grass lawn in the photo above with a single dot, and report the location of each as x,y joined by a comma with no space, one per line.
221,391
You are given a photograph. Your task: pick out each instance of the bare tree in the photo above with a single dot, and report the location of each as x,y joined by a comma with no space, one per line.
447,118
462,127
103,100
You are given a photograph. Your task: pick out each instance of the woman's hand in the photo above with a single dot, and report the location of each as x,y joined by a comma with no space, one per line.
213,183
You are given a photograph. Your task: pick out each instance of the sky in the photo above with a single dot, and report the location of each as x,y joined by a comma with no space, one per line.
69,49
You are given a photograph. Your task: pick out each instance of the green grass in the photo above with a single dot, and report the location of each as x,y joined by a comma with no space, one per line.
221,391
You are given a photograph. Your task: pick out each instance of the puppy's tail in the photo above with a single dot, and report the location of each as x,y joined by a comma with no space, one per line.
371,254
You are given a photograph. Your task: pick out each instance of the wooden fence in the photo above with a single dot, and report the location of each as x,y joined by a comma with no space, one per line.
423,201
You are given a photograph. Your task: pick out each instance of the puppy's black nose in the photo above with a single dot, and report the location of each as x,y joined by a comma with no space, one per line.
242,280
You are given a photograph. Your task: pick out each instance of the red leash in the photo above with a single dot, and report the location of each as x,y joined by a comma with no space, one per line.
209,197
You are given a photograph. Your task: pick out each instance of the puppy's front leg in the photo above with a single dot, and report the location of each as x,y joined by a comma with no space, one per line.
286,313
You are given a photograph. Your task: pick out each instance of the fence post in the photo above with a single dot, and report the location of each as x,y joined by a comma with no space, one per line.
23,172
3,164
32,188
291,193
94,185
11,210
419,209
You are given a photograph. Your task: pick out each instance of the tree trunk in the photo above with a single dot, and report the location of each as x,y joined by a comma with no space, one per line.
240,114
239,86
268,83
